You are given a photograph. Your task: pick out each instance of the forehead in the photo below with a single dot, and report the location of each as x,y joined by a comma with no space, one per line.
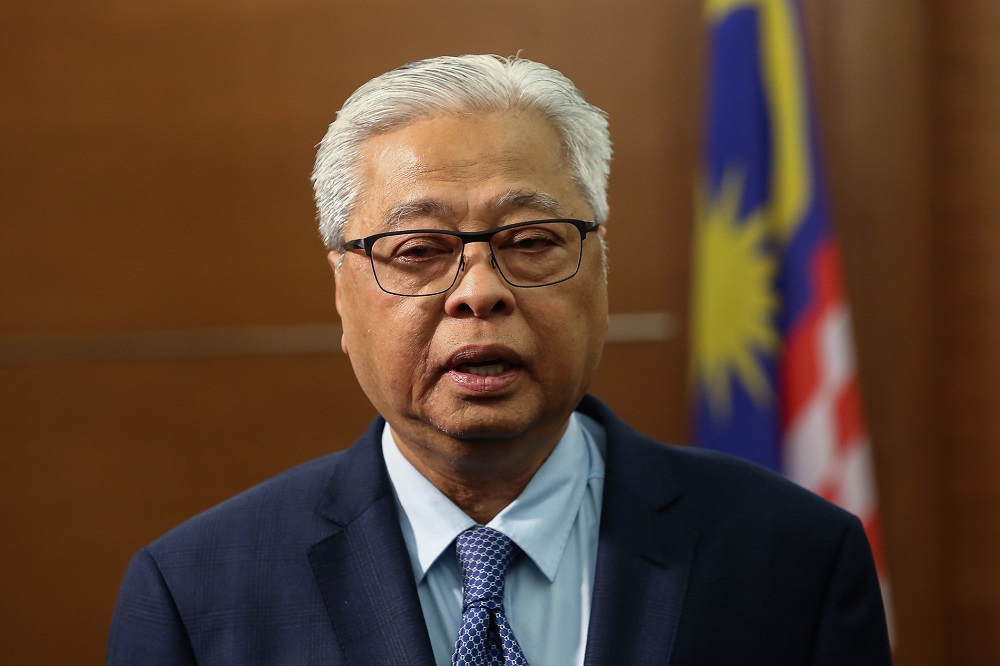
453,166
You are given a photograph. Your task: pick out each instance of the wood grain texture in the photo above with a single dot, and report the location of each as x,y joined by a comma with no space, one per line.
966,164
155,177
871,62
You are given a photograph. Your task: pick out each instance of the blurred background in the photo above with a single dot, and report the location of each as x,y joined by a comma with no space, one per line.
167,330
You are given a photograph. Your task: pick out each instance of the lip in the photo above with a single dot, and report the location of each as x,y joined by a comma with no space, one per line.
498,379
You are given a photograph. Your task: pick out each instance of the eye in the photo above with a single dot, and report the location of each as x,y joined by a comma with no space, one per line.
417,248
531,239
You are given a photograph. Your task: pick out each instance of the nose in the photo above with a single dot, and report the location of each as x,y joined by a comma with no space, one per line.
480,291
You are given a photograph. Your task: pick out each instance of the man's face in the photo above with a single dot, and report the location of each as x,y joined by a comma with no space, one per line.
485,360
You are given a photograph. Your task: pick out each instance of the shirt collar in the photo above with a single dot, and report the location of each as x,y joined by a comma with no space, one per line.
539,520
430,520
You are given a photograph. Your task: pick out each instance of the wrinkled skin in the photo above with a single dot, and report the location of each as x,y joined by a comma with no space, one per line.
467,432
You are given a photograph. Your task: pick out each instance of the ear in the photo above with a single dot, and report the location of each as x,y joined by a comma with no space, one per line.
334,258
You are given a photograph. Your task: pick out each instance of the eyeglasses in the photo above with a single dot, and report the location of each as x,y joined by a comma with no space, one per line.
426,262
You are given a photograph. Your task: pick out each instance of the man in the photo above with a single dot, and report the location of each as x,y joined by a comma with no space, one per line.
497,514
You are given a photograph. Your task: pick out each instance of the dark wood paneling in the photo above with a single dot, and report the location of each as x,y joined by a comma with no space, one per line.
155,177
155,171
966,165
871,60
99,459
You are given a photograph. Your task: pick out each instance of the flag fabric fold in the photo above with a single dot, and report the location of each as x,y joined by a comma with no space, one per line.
773,367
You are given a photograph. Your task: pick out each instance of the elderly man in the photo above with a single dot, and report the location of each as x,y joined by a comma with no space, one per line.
495,513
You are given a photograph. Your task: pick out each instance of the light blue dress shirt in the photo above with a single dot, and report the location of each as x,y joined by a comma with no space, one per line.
554,521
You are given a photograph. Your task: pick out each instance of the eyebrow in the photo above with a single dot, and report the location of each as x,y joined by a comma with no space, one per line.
510,200
421,208
521,199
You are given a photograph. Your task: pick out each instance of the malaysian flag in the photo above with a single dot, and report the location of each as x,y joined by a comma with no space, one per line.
772,356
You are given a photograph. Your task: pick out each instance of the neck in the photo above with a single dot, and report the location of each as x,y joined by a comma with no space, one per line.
481,476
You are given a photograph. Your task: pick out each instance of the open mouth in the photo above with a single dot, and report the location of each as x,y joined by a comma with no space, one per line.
490,368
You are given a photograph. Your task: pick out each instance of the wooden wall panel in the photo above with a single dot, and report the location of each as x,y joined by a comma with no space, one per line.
99,459
871,62
966,165
155,179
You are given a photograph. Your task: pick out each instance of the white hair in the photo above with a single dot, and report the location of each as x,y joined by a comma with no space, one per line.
457,84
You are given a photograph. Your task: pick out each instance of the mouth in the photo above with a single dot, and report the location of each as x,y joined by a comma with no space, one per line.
485,368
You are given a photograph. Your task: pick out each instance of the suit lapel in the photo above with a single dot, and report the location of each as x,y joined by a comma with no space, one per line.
363,569
644,553
644,557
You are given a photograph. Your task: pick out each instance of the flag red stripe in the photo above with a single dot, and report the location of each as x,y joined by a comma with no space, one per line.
800,364
850,423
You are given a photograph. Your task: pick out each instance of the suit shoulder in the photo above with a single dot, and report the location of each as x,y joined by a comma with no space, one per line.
284,503
708,486
724,485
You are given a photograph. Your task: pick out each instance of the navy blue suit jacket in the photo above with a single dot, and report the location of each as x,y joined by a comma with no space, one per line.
702,559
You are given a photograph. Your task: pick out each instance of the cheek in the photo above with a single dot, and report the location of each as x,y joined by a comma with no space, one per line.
570,332
386,356
583,339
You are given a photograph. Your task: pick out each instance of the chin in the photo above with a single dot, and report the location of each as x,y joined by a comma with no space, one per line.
483,429
500,421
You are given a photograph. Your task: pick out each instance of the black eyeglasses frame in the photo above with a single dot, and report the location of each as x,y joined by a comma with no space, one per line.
365,244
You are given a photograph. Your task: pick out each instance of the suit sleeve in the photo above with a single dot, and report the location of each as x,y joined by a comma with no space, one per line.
146,628
852,627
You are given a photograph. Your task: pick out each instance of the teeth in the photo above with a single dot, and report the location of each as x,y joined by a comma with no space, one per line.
485,370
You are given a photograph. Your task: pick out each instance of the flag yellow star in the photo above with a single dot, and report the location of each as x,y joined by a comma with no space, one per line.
734,302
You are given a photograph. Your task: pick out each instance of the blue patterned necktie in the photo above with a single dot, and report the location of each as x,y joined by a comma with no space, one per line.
485,638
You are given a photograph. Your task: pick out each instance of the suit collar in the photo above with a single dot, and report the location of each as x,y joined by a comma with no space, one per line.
643,563
644,552
363,569
634,460
358,480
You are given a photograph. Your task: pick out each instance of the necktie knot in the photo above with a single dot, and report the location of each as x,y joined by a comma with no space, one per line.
485,637
484,555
